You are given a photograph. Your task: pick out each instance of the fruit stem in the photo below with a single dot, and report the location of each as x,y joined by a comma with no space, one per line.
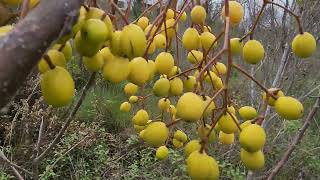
173,122
49,62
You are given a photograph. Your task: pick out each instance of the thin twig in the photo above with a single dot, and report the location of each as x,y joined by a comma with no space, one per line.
13,165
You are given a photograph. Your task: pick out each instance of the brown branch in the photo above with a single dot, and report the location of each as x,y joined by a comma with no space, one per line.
296,140
24,9
68,120
30,38
13,165
123,16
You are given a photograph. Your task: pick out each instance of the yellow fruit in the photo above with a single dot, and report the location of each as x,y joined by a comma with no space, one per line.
172,110
289,108
170,14
252,138
130,89
106,54
236,12
162,153
304,45
66,50
33,3
125,107
85,48
211,76
203,132
195,56
171,29
139,128
198,15
152,69
177,144
116,70
190,39
81,19
139,73
141,118
202,166
227,124
217,128
252,161
150,30
94,13
219,68
109,25
191,146
190,107
174,71
156,134
5,29
57,87
226,139
93,63
218,84
247,112
161,87
160,41
94,31
210,107
133,99
164,104
253,52
236,46
164,63
143,22
271,100
12,2
57,59
180,136
152,48
245,124
207,29
176,86
133,41
183,17
115,43
189,83
207,40
231,109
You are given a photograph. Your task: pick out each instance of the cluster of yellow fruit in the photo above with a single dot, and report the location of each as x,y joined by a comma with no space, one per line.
32,3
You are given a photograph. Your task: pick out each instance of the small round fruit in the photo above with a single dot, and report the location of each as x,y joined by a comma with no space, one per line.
150,30
207,29
164,63
190,107
289,108
193,145
203,132
66,50
161,87
236,12
94,31
94,63
207,40
141,118
253,161
156,134
183,17
139,71
227,124
138,128
130,89
180,136
152,69
202,166
160,41
116,70
115,43
143,22
162,153
248,112
195,56
106,54
210,107
164,104
219,68
56,57
245,124
177,144
189,83
125,107
133,99
226,139
252,138
198,15
236,46
57,87
170,14
253,52
171,28
231,109
176,86
133,41
172,110
271,100
304,45
191,39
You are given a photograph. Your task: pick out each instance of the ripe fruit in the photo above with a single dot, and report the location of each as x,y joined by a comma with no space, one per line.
171,29
172,110
211,76
190,107
152,48
115,43
191,146
190,39
163,104
57,87
164,63
253,52
252,138
304,45
130,89
85,48
203,132
248,112
162,153
207,40
236,46
202,166
141,118
219,68
210,107
116,70
189,83
271,100
139,73
152,69
94,31
207,29
66,50
177,144
161,87
227,124
236,12
195,56
252,161
174,71
245,124
156,134
57,59
198,15
106,54
125,107
183,17
218,84
5,29
93,63
94,13
180,136
289,108
138,128
133,99
150,29
226,139
133,41
143,22
176,86
160,41
231,109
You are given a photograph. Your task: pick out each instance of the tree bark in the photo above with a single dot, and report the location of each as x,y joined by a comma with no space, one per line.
21,48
